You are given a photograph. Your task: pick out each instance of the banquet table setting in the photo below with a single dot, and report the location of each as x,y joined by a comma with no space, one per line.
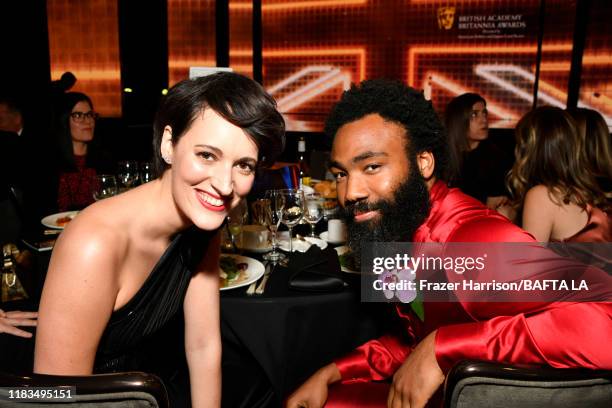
280,326
308,314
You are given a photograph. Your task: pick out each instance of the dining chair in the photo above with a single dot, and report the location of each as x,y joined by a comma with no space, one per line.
477,384
116,390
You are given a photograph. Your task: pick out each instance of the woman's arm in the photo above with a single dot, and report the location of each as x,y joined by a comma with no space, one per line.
77,300
202,332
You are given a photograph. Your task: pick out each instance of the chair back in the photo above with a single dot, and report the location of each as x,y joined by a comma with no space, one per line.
116,390
477,384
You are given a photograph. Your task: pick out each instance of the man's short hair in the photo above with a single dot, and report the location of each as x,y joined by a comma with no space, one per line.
400,104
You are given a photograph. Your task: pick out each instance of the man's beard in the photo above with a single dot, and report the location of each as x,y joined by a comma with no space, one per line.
399,217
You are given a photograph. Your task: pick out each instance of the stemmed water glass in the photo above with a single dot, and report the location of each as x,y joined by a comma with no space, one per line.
105,186
266,212
291,203
127,172
145,172
313,210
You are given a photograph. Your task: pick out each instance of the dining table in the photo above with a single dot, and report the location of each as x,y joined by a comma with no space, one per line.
274,341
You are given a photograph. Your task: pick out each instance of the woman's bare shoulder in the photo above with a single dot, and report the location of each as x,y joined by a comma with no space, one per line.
542,196
98,232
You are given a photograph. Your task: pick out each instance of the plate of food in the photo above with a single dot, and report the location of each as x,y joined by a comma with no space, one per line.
59,220
237,271
347,259
301,244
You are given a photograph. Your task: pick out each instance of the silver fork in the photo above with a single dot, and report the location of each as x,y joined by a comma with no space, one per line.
251,289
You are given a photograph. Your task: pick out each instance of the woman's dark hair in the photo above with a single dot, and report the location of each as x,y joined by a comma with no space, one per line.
457,122
62,129
400,104
550,152
238,99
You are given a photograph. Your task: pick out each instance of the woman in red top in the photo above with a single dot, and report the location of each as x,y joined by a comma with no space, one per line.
77,162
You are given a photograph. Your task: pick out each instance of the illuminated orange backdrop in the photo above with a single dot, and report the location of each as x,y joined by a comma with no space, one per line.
313,49
90,51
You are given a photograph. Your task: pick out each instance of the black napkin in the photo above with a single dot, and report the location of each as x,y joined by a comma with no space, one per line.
315,270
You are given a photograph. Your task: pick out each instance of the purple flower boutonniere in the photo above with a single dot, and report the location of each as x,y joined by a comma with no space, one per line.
407,292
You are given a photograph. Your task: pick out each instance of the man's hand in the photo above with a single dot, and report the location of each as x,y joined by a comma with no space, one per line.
418,378
10,320
313,393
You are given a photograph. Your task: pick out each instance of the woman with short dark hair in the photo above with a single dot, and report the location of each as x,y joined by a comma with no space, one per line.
125,267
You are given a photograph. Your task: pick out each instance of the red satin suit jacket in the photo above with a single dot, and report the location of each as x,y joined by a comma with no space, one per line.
558,334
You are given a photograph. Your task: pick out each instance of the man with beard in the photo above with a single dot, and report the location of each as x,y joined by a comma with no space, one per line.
389,160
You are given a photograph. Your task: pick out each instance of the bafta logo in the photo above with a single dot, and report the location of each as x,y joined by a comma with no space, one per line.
446,17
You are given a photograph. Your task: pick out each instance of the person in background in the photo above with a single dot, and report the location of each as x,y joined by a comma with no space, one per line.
595,135
11,118
389,157
552,181
14,168
129,269
477,166
79,160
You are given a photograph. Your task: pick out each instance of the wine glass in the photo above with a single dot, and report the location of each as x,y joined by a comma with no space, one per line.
105,186
313,210
265,213
145,172
127,172
291,203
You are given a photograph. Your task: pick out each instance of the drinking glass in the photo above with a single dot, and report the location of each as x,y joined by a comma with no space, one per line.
313,210
127,172
105,186
265,213
145,172
236,218
291,203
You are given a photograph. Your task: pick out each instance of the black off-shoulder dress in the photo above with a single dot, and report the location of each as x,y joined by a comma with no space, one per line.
147,334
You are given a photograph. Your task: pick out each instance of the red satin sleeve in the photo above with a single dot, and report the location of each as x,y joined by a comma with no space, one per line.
568,335
375,360
378,359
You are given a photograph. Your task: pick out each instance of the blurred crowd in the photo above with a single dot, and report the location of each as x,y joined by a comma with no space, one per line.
556,186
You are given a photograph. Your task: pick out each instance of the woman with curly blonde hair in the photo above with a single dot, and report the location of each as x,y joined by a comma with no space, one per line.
552,181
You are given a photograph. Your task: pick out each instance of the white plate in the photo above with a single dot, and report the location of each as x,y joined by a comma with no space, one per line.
255,270
341,250
50,221
324,236
302,246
